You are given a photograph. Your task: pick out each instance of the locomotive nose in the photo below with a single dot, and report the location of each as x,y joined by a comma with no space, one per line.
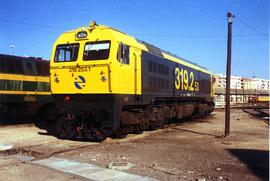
82,80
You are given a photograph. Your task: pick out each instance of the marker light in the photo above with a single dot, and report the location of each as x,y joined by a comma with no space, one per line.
82,34
67,98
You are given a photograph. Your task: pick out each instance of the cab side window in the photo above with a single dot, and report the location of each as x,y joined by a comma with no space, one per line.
123,54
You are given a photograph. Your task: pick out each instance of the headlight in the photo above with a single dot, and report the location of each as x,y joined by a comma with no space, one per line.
103,78
56,80
82,34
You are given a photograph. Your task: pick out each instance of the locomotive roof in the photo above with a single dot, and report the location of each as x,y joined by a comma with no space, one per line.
169,53
23,58
132,41
158,51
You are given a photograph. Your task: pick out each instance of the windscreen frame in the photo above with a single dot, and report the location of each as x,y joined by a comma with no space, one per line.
86,57
70,60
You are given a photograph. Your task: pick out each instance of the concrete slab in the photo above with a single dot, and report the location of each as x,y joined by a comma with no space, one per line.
4,146
89,171
22,158
120,165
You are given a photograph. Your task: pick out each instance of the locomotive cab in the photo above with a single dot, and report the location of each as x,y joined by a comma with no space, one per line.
94,62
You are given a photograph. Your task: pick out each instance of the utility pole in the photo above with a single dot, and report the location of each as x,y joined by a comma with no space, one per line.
243,87
228,74
236,84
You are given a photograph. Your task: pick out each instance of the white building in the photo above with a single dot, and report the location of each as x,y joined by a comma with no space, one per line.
236,82
260,84
241,89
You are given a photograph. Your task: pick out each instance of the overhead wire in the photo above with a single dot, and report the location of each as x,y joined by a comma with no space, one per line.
249,26
32,24
153,36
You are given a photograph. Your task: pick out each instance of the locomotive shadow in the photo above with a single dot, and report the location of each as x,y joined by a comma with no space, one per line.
257,161
200,133
49,127
192,120
5,121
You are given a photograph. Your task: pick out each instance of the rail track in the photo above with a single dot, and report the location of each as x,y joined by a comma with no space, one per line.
258,112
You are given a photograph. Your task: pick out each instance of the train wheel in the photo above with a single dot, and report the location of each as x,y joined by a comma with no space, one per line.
145,123
157,117
65,129
98,135
71,132
167,113
61,128
201,111
119,134
137,129
160,119
151,115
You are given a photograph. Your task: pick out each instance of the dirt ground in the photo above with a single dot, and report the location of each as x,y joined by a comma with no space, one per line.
185,151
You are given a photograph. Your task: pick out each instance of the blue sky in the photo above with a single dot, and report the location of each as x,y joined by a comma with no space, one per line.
193,29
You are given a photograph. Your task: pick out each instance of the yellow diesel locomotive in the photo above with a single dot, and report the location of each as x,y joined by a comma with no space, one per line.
105,82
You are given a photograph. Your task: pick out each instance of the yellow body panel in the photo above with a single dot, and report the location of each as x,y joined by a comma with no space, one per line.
24,92
24,77
126,79
178,60
90,82
263,98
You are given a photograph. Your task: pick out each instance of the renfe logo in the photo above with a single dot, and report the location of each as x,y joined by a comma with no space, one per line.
79,82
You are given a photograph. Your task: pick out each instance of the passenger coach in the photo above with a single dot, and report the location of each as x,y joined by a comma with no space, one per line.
106,82
24,87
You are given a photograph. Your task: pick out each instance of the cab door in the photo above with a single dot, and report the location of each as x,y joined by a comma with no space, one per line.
128,74
135,55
